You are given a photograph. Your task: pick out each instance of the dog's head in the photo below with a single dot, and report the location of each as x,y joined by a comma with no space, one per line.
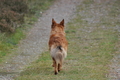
57,27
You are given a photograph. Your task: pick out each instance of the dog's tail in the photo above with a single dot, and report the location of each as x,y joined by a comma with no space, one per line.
58,53
60,48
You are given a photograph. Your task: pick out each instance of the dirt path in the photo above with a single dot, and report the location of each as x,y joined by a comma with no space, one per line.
36,41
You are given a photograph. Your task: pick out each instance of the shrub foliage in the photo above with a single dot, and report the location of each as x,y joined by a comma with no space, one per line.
12,14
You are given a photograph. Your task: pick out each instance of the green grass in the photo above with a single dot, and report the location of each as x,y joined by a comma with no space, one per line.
91,47
9,41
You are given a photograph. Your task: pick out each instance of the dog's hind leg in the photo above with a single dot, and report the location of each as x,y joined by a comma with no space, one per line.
56,67
60,66
53,65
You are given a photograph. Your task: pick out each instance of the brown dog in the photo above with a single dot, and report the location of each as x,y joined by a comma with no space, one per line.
58,44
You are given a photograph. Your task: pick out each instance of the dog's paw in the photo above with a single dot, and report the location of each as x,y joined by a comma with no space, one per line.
56,73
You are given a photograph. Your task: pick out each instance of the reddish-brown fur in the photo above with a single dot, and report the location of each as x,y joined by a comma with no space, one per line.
58,44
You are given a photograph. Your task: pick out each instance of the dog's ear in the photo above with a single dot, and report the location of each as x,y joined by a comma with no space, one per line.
62,23
53,23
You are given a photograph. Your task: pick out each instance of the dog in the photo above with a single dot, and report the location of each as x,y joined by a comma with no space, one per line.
57,45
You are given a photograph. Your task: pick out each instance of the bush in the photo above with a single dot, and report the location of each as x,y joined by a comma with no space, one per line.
12,14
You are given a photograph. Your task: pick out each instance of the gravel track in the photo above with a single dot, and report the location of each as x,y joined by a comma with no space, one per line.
37,38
